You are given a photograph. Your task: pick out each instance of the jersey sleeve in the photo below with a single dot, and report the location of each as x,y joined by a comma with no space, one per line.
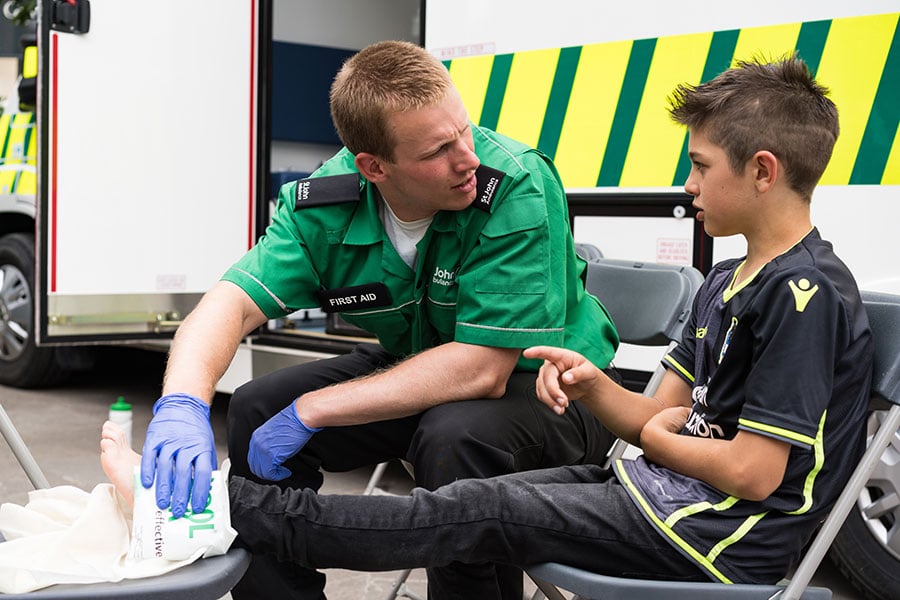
681,359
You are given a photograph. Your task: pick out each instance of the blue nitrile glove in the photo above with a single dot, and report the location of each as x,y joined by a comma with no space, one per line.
275,441
180,450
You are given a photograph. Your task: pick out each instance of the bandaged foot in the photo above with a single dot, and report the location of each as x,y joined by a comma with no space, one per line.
155,533
118,460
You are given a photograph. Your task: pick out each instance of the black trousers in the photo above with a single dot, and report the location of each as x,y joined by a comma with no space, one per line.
469,439
576,515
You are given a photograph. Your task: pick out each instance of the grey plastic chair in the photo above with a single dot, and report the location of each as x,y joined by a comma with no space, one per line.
649,304
204,579
884,317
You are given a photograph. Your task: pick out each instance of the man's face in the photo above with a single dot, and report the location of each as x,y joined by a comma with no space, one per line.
434,160
723,198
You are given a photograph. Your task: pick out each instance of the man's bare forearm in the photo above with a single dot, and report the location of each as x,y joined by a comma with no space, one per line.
447,373
206,341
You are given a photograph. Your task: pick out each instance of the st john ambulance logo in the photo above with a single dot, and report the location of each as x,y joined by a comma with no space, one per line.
444,277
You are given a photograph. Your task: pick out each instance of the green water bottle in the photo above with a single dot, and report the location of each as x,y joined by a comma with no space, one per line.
120,414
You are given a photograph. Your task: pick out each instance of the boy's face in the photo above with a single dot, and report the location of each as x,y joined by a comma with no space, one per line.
724,199
434,160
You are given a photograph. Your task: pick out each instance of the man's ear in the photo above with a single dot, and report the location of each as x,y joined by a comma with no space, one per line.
370,166
767,170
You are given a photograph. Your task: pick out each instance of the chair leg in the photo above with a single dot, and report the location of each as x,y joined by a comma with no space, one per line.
400,589
844,504
375,478
547,590
20,450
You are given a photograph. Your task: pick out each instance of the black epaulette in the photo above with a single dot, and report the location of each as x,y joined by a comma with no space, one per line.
321,191
488,180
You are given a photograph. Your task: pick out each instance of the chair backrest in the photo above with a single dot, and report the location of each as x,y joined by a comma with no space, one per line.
884,319
649,302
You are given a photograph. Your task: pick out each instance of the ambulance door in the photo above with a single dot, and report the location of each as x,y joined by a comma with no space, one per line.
149,160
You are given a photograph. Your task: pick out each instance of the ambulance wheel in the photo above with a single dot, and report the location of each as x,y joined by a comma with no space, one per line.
867,549
23,363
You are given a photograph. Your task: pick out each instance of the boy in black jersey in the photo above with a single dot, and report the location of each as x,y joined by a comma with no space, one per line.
751,435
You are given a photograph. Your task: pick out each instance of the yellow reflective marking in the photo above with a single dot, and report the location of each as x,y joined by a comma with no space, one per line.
675,365
7,179
852,63
779,431
15,150
768,42
30,62
656,140
471,76
819,452
735,537
589,117
4,129
527,92
668,531
27,183
693,509
892,168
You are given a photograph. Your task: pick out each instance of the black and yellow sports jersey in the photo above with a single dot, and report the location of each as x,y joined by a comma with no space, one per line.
786,354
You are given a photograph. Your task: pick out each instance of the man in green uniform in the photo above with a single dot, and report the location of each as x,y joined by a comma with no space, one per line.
452,245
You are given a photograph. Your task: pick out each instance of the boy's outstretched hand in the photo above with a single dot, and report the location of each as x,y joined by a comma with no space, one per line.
564,376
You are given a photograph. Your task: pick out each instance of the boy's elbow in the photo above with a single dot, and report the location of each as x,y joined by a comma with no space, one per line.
756,486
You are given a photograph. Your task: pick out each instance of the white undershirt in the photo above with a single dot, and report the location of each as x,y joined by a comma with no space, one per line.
404,234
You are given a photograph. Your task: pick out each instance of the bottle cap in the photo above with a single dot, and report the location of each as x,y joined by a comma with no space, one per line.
120,404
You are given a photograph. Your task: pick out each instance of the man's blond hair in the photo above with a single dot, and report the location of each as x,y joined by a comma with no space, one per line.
378,81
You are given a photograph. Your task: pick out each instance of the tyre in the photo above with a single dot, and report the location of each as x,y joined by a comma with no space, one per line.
22,362
867,549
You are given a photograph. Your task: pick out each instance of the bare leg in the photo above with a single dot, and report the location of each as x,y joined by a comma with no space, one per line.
118,460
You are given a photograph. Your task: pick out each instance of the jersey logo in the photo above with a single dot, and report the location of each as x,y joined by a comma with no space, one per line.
700,333
488,180
357,297
727,341
802,293
321,191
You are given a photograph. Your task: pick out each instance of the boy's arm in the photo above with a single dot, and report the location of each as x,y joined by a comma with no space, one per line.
567,375
749,466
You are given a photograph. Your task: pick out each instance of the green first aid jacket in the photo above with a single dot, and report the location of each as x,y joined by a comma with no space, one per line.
502,272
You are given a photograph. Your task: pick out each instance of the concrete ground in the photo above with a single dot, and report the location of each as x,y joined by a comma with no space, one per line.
61,426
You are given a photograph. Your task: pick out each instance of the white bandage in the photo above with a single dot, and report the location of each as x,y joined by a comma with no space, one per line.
155,533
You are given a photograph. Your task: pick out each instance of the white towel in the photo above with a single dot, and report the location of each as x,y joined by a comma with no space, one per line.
66,535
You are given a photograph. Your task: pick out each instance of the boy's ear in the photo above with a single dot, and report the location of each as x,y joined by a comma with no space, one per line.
370,166
767,170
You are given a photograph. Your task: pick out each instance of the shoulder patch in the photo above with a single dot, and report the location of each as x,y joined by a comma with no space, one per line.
488,180
803,292
321,191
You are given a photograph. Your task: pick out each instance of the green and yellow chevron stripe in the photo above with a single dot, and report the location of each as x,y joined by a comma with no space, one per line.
600,110
17,147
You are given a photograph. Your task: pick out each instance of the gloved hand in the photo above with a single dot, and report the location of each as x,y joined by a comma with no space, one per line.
179,449
275,441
